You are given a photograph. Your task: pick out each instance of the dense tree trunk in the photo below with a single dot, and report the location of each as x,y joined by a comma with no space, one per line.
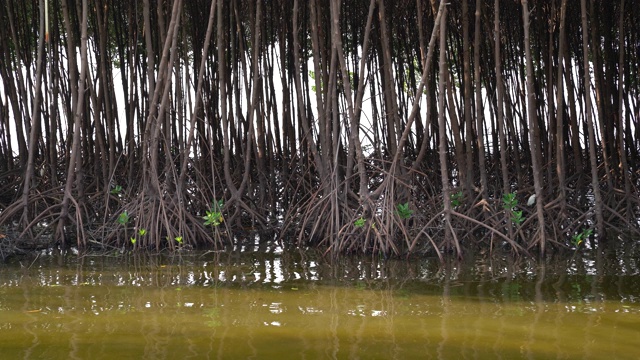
324,121
534,134
595,181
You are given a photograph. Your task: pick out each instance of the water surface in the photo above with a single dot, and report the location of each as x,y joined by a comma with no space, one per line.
299,305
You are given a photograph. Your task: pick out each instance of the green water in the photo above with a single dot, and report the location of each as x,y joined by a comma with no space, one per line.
300,306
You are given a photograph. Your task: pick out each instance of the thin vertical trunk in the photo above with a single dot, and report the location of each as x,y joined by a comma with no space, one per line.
321,88
500,96
198,97
105,89
479,106
391,103
151,56
456,132
75,163
533,125
621,96
355,109
425,82
600,107
25,117
442,147
595,181
560,166
466,168
308,135
155,119
573,117
35,117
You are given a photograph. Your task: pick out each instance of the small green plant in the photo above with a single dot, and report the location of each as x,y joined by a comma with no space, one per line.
579,238
123,218
359,223
214,215
456,199
117,189
516,217
179,239
213,218
403,211
510,203
141,233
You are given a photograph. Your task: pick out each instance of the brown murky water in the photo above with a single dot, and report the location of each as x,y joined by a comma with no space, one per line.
300,306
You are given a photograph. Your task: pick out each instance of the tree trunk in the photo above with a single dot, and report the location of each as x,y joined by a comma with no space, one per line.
560,156
479,107
442,149
595,181
75,163
533,134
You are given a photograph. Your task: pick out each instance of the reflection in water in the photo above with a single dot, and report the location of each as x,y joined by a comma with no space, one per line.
296,305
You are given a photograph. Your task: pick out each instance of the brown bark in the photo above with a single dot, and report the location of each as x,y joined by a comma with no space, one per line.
484,185
442,147
560,153
533,134
466,167
75,163
595,181
35,128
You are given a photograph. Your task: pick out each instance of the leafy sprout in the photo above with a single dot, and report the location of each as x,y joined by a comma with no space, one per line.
123,218
509,203
579,238
214,216
117,189
359,223
456,199
516,217
403,211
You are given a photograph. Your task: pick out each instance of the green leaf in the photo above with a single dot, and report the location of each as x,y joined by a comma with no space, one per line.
359,223
517,217
179,239
133,240
579,238
456,199
509,201
213,218
142,232
116,190
403,211
123,218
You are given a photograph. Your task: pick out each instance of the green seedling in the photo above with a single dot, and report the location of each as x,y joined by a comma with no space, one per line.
359,223
509,203
214,215
213,218
116,190
179,239
141,232
516,217
403,211
456,199
217,205
123,218
579,238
